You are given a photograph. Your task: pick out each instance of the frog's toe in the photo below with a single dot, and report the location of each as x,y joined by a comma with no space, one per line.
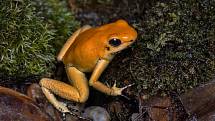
118,91
62,108
127,86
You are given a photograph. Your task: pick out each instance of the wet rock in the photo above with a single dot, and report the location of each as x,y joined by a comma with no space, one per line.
200,102
15,106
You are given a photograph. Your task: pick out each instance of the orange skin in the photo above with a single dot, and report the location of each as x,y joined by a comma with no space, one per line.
88,50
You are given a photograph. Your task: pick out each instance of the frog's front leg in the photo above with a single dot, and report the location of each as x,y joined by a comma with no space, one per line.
78,92
100,67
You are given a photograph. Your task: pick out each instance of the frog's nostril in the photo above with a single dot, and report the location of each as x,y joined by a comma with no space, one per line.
131,40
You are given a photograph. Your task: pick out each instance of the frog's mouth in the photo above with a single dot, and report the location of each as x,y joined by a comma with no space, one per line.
122,47
114,53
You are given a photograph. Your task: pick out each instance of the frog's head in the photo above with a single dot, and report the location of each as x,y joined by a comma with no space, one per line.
117,36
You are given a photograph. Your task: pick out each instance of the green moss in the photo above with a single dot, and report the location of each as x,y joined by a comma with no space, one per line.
25,39
179,36
60,19
28,35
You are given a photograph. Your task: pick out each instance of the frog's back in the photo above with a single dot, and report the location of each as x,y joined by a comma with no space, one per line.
83,52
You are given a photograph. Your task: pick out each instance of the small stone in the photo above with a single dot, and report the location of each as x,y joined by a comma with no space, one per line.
96,113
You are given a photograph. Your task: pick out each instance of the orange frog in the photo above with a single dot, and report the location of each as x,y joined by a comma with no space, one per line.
88,50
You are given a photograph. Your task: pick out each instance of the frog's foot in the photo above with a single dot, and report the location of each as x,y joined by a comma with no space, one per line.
118,91
62,107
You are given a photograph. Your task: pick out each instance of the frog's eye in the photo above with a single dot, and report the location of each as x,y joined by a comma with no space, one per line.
115,42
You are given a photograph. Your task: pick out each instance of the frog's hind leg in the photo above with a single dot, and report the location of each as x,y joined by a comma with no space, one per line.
79,81
79,92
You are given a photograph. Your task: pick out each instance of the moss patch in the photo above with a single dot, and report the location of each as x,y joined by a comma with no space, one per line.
30,35
60,19
25,40
179,37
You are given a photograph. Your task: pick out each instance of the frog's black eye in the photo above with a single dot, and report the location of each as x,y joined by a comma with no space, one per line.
115,42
